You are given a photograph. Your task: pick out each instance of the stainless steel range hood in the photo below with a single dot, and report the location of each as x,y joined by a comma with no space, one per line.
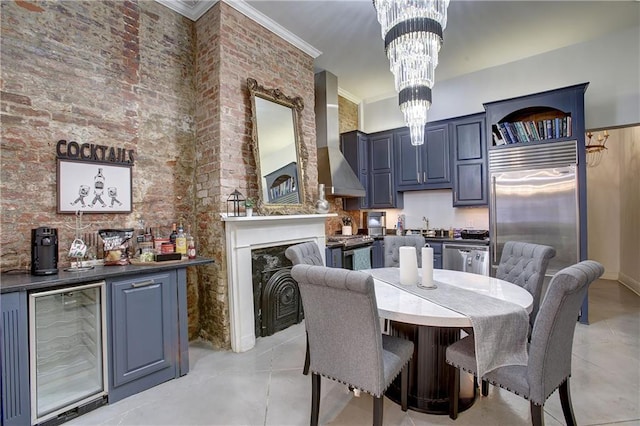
333,170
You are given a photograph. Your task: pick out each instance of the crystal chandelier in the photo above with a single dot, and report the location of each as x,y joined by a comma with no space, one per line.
412,33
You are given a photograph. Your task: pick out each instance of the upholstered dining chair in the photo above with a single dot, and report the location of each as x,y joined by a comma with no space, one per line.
345,340
392,244
525,264
549,361
306,253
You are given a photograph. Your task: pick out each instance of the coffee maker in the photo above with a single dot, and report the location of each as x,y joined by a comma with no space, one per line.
376,223
44,251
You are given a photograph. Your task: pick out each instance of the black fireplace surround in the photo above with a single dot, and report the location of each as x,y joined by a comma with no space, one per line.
276,298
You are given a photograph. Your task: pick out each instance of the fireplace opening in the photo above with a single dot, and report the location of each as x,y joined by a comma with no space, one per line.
276,298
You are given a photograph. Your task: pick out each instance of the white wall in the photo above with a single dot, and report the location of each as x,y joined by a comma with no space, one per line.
436,205
630,207
613,206
610,64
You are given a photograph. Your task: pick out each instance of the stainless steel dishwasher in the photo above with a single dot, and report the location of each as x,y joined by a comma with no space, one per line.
472,258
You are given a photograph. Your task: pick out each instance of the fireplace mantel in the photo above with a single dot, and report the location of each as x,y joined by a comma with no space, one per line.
244,234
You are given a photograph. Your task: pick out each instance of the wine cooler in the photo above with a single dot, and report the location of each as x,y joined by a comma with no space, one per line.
67,340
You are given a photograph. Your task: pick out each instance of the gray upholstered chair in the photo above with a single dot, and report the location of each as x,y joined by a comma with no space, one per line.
306,253
392,244
549,361
525,264
345,340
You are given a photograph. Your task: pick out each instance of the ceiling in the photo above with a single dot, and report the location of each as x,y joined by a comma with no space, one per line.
345,34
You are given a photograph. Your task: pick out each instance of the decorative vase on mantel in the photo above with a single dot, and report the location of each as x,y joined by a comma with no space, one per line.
322,205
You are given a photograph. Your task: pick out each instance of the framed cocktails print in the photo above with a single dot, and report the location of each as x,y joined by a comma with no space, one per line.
93,187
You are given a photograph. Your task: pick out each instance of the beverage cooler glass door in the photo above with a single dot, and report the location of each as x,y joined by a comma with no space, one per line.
67,340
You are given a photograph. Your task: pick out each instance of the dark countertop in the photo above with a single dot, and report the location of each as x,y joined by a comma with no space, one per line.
11,282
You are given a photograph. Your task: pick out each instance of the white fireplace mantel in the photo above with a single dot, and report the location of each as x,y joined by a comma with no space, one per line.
244,234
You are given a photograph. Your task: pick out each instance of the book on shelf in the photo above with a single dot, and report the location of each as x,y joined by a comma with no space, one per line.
531,131
498,137
506,133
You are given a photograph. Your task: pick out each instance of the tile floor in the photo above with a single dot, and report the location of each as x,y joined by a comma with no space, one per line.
265,386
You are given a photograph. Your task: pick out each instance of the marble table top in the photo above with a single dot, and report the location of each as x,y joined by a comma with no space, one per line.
399,305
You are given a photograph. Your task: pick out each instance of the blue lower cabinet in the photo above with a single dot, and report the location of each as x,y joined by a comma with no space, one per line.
333,256
378,254
437,254
14,360
144,333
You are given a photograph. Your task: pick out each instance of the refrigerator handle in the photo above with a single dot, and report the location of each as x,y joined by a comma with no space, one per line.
494,222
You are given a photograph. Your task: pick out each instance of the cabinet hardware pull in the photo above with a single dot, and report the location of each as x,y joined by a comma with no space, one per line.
142,284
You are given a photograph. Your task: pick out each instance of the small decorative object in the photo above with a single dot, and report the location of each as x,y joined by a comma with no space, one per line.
322,205
408,266
234,202
346,225
249,204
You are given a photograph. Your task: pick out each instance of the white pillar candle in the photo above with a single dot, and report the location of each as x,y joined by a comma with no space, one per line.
427,267
408,266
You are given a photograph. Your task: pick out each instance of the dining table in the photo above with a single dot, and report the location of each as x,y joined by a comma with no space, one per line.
433,325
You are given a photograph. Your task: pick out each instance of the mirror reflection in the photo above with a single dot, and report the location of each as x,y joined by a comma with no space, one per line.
276,137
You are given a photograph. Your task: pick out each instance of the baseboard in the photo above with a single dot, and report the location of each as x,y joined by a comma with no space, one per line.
610,276
630,283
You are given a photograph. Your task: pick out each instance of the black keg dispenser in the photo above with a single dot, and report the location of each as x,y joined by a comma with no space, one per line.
44,251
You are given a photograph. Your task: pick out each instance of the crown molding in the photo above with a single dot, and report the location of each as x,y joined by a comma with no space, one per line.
262,19
349,96
194,9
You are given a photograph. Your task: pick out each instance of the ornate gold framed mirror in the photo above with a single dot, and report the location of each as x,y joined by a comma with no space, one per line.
277,147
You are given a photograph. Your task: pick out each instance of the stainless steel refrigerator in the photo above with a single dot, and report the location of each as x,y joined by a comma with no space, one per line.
535,196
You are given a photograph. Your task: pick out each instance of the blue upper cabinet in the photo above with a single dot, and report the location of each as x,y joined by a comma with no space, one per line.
382,187
355,148
469,162
425,166
371,157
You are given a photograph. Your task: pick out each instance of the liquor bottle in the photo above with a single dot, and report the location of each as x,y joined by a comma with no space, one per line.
173,235
191,244
191,247
181,241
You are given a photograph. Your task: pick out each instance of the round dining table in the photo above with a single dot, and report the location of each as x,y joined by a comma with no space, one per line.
432,328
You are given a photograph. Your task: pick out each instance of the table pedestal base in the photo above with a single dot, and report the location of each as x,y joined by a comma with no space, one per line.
428,372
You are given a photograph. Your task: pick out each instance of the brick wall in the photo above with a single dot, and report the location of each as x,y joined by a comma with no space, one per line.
348,115
138,75
117,73
230,49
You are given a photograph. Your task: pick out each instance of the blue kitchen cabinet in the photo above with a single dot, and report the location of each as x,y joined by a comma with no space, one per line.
14,359
425,166
382,188
437,253
144,333
469,161
377,260
333,257
355,148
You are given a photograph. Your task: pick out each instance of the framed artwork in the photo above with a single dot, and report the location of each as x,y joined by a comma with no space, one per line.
93,187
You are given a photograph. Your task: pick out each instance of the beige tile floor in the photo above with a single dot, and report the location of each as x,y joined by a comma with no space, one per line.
265,386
